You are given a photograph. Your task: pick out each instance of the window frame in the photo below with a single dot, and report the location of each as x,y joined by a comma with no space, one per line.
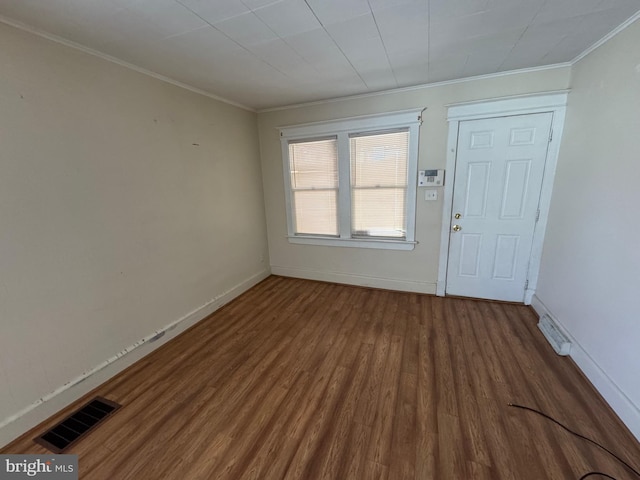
343,129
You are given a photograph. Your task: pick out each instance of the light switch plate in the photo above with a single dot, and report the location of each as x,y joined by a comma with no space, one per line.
431,195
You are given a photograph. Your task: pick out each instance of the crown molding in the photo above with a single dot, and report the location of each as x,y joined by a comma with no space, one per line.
96,53
417,87
607,37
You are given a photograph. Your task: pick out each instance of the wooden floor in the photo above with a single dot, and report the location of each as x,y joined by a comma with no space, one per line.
306,380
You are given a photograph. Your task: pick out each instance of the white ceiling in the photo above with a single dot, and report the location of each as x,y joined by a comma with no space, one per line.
266,53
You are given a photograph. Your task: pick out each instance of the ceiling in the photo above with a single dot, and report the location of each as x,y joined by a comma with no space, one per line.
267,53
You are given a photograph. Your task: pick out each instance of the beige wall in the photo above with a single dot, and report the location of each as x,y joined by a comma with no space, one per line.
406,270
590,273
113,224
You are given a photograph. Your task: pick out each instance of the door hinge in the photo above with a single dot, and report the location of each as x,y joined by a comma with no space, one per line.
551,135
526,284
537,215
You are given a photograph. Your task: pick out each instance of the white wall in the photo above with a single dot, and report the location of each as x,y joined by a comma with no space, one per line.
113,224
415,270
590,273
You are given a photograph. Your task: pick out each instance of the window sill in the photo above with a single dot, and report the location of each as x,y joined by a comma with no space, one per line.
383,244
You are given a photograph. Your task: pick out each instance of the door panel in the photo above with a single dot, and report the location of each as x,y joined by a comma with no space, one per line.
470,255
499,169
504,263
515,189
475,205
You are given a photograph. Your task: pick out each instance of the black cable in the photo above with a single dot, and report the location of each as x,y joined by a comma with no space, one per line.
584,438
597,473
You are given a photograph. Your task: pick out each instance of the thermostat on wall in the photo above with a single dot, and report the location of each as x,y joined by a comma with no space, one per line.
431,178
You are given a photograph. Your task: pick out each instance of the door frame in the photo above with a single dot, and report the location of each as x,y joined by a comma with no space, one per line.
554,102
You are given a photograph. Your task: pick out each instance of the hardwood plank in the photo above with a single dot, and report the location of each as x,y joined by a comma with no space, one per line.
375,471
379,450
426,448
441,343
354,451
403,452
331,455
480,472
499,442
410,352
305,380
474,439
367,406
270,443
451,462
426,456
304,464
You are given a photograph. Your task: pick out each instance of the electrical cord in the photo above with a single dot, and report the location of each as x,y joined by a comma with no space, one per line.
597,473
636,472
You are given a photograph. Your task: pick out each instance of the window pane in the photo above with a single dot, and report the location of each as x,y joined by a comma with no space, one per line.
378,212
315,212
380,160
378,184
314,186
314,164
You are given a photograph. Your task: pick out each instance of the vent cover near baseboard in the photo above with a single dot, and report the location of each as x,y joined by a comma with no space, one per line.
77,425
554,336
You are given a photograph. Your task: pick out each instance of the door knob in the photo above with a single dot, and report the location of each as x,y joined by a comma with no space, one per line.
457,228
457,216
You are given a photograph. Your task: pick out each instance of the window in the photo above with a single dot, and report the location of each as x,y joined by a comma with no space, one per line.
352,182
314,186
379,184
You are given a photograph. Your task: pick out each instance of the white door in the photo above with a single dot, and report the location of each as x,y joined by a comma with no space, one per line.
499,169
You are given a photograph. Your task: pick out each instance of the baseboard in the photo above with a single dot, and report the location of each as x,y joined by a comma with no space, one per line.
14,426
628,412
359,280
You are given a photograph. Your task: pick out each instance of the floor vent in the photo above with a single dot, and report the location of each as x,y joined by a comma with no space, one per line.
554,336
77,425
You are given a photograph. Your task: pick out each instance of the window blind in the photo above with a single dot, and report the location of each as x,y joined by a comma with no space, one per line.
379,184
314,184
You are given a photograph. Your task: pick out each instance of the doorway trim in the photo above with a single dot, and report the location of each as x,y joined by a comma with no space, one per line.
554,102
